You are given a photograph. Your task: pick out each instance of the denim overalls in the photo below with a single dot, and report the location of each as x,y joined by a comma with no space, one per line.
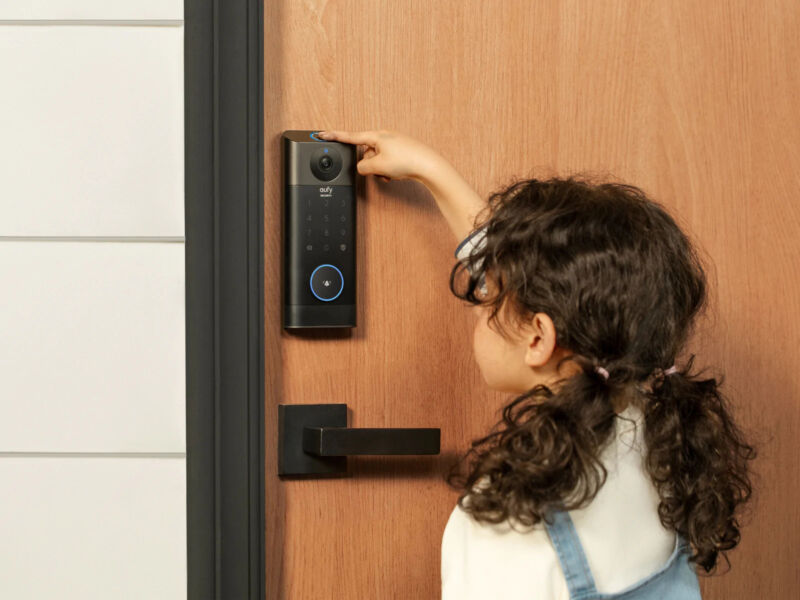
676,580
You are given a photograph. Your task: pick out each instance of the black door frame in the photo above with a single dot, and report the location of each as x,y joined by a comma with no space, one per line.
224,133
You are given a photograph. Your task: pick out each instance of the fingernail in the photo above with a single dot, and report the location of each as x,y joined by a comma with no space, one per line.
322,133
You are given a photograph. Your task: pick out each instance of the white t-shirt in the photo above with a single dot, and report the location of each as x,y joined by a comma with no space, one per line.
620,531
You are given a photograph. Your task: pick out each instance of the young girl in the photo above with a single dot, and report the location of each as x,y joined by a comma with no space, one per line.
614,472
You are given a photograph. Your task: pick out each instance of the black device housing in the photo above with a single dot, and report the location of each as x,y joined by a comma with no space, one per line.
319,241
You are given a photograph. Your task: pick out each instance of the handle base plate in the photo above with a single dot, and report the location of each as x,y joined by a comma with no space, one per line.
292,418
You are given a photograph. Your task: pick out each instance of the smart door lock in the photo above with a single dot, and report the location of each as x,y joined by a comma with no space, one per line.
319,208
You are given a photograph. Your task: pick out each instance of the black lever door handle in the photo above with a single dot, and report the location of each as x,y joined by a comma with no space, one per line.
348,441
314,440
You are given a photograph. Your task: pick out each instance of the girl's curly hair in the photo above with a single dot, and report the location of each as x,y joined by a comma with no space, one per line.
622,285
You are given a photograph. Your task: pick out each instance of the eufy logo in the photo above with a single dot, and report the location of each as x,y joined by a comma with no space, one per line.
326,192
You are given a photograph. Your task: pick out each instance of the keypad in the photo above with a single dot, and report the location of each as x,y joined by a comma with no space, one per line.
328,227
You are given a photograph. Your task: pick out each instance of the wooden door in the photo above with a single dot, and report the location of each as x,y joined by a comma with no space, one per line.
696,102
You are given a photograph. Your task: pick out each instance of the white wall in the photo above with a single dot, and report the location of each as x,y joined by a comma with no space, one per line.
92,351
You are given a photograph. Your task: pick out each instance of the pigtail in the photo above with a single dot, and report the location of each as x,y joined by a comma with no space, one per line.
698,460
542,455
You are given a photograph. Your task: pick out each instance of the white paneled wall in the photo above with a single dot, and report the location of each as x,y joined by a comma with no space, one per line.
92,527
95,10
92,130
95,344
92,305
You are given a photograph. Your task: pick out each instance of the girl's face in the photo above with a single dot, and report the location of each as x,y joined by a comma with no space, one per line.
501,361
528,359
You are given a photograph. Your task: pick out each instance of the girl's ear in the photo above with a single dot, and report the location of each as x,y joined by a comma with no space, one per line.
541,340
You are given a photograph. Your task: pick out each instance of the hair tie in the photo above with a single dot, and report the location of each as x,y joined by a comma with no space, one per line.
667,372
602,372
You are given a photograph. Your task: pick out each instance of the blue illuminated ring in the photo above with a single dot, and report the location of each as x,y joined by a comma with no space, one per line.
315,138
310,279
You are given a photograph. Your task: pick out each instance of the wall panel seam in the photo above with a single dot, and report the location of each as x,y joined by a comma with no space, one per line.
94,22
91,238
4,454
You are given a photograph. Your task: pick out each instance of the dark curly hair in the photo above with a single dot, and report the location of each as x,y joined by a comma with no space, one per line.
622,284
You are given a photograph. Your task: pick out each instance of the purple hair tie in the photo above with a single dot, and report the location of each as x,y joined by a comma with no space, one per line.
671,370
602,372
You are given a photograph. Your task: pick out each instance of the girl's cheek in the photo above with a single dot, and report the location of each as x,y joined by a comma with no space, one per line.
476,339
476,342
482,347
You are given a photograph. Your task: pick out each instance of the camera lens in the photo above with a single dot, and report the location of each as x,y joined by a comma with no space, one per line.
325,163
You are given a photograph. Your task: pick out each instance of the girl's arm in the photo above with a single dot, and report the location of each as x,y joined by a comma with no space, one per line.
458,202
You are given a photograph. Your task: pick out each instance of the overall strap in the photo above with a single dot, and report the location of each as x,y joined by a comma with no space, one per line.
561,530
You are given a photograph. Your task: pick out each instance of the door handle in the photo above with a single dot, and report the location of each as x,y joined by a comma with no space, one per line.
314,440
347,441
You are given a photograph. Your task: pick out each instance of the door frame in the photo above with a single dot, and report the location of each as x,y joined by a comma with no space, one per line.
224,190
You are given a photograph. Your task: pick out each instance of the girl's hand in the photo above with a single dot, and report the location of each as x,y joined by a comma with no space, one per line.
389,155
392,155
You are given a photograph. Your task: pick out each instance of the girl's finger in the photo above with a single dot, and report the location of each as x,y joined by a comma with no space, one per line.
370,138
369,166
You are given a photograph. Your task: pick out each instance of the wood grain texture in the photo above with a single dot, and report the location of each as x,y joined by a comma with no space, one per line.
697,103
